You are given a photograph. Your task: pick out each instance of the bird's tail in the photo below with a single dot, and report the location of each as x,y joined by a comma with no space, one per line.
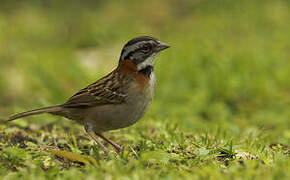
51,109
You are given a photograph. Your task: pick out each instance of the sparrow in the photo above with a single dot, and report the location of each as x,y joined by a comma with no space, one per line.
117,100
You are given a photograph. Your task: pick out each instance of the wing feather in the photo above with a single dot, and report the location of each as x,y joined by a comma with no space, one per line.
111,89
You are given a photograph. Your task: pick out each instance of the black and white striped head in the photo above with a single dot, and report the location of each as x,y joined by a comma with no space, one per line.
142,51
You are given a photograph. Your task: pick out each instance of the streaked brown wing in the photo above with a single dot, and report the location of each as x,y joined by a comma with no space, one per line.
108,90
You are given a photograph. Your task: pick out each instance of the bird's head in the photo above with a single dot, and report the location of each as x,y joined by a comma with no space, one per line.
142,51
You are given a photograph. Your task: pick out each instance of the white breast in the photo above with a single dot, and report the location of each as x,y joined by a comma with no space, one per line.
152,83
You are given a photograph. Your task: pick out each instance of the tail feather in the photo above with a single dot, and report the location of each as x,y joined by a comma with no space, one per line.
51,109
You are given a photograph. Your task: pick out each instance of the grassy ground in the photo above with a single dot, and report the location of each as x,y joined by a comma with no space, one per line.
222,102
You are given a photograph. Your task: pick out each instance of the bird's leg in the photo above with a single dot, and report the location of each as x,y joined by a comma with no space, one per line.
91,133
116,146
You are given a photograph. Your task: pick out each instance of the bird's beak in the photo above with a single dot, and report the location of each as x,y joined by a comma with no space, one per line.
161,46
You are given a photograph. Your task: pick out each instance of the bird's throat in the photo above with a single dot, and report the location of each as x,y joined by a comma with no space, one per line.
146,71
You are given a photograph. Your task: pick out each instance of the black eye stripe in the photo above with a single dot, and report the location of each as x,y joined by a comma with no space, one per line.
147,47
130,54
138,50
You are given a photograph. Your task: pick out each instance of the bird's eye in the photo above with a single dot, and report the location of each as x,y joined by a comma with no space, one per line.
146,48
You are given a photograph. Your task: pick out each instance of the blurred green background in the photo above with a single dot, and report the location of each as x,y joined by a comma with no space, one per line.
228,68
229,60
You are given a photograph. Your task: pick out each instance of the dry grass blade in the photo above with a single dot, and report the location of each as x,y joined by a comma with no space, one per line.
73,157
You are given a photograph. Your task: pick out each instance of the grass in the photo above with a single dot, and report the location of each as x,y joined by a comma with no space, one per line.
222,101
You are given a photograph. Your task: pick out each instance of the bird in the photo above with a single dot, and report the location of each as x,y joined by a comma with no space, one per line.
117,100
